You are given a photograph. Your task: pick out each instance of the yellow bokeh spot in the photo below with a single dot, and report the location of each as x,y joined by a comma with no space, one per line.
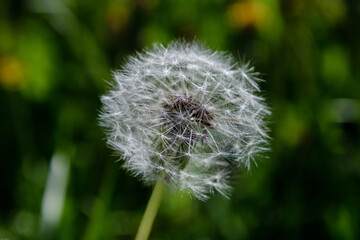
12,73
247,14
117,17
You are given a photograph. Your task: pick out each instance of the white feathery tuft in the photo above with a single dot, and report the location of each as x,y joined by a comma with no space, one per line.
185,115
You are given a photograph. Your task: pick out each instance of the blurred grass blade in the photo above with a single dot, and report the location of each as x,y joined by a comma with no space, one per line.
54,194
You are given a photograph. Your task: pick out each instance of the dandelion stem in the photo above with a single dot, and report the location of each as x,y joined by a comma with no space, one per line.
150,212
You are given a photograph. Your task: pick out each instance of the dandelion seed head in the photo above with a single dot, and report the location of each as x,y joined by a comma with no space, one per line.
185,115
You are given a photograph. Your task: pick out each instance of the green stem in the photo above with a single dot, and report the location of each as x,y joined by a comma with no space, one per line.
150,212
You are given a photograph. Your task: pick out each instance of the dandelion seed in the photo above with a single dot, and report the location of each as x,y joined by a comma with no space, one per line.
185,115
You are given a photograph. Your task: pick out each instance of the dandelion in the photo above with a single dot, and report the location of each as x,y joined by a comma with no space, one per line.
185,116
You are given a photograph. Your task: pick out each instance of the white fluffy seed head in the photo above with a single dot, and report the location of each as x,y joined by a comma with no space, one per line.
185,115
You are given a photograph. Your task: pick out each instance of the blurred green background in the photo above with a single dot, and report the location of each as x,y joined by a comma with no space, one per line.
58,179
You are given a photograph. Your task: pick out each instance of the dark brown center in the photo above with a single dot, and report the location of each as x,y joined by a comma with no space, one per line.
185,118
184,123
